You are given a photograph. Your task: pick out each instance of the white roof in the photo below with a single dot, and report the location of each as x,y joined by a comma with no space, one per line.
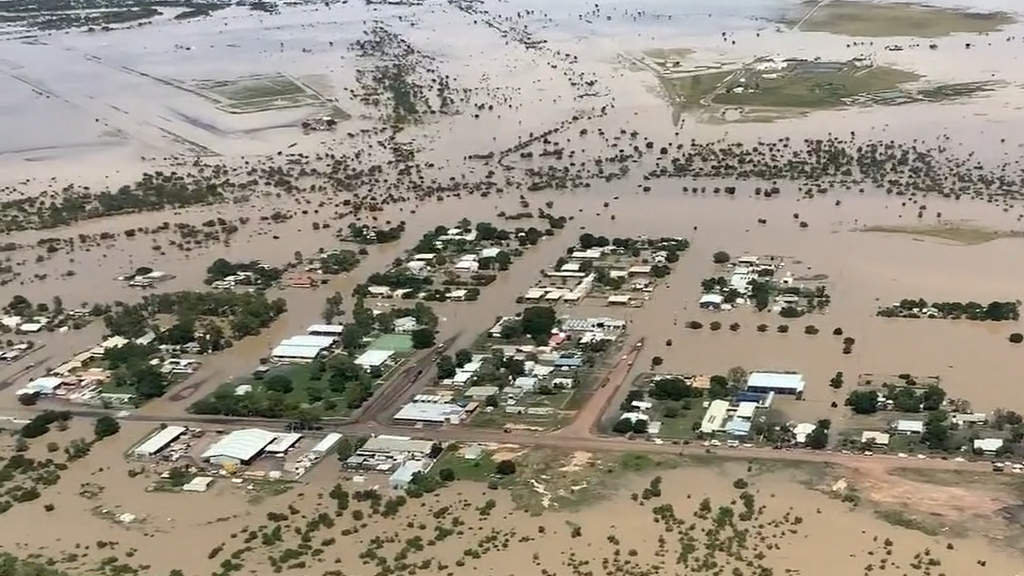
879,438
618,298
711,299
45,385
482,391
407,470
429,412
746,409
405,321
462,377
198,484
31,327
325,329
490,252
776,381
159,441
640,269
715,417
241,444
287,351
324,446
387,443
373,358
282,443
916,426
988,444
310,340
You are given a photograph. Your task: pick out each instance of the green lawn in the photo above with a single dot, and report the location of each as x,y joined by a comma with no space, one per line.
479,470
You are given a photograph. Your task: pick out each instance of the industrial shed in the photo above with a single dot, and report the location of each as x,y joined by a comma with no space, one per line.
283,443
374,358
239,447
778,382
157,442
326,445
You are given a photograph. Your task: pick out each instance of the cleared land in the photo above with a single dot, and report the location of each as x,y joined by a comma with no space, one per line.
873,20
258,93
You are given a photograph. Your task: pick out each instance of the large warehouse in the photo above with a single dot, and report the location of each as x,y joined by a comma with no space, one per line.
777,382
239,447
303,348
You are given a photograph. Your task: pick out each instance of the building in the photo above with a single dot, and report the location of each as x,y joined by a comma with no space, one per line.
607,325
198,484
239,447
45,386
711,301
30,327
908,426
374,358
157,442
738,427
283,443
802,430
988,446
402,478
330,330
965,419
619,300
481,392
777,382
406,325
302,348
403,446
874,438
324,446
715,418
642,270
430,413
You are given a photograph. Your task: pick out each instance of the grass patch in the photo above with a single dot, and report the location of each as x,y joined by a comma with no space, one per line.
690,90
965,234
263,489
478,470
813,89
909,521
869,19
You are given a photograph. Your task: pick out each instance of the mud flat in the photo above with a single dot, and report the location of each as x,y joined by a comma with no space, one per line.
957,233
881,20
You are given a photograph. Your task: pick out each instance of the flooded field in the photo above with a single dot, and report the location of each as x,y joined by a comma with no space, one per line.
161,147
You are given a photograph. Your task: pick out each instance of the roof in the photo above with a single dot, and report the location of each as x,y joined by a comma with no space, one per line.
327,443
429,412
198,484
310,340
802,430
46,384
619,298
159,441
913,426
288,351
988,444
325,329
738,427
879,438
640,269
30,327
241,445
776,381
477,391
373,358
714,418
385,443
282,443
711,299
407,470
746,410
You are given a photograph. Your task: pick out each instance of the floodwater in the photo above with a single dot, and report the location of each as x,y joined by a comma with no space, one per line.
180,531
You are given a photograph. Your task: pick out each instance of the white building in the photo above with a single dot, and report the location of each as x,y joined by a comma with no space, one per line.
715,418
430,413
45,386
778,382
331,330
374,358
157,442
988,446
239,447
874,438
405,325
325,445
402,477
908,426
802,430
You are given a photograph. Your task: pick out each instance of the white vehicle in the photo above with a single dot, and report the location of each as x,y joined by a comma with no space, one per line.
733,444
716,443
959,459
869,453
922,457
902,455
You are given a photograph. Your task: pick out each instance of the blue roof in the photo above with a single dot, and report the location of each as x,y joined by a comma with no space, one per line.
738,427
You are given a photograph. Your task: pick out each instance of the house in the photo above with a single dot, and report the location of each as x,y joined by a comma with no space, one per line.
988,446
374,358
402,478
332,330
639,270
417,267
490,252
618,300
302,282
495,331
802,430
458,295
239,447
405,325
468,266
715,418
481,392
905,427
711,301
965,419
874,438
379,291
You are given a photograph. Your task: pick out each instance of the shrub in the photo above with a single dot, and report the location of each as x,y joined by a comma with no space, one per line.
1016,337
782,328
811,330
837,332
735,326
694,325
505,467
715,326
446,474
740,484
762,327
720,257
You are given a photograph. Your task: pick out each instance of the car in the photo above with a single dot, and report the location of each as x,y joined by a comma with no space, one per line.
902,455
868,453
959,459
922,457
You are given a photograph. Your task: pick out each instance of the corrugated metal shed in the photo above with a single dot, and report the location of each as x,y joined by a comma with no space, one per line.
159,441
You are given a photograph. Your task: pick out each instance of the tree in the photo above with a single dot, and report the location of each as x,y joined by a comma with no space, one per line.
1016,338
537,322
623,426
737,376
423,338
863,401
818,438
639,426
936,432
446,367
505,467
463,357
446,474
106,426
836,381
674,389
721,257
279,383
657,361
719,387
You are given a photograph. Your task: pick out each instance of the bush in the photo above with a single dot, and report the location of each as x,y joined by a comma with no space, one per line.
837,332
782,328
811,330
106,426
505,467
694,325
1016,337
762,327
657,361
740,484
715,326
734,327
720,257
446,474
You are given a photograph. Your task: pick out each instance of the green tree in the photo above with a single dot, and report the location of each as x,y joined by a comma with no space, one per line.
463,357
279,383
936,431
423,338
623,426
537,322
863,401
505,467
106,426
720,257
446,367
446,474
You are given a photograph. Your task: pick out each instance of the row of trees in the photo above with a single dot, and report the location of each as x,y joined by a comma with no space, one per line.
256,274
246,313
902,399
994,311
536,322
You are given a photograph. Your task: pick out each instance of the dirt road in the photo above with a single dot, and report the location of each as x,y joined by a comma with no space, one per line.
587,419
